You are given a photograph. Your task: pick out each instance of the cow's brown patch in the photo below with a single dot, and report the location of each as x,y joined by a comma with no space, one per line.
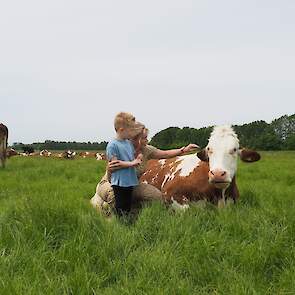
183,189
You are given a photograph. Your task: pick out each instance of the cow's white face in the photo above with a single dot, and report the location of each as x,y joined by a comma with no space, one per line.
222,152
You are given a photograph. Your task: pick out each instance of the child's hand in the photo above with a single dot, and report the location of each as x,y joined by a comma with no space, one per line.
139,156
138,160
113,164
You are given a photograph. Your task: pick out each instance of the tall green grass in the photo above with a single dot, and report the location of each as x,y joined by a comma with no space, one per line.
53,242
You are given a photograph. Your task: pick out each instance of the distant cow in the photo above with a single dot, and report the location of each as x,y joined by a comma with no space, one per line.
100,156
33,154
87,155
68,154
209,175
45,153
11,152
57,155
3,143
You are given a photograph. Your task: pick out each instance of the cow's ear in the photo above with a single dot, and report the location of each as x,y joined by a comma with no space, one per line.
249,156
202,155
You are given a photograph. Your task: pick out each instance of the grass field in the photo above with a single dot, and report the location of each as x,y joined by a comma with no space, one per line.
53,242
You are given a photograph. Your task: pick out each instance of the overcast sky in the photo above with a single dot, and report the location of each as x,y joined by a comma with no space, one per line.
67,67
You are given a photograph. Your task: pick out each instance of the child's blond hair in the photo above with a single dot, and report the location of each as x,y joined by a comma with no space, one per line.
124,120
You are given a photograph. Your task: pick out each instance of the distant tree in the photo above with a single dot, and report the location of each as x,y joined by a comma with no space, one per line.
257,135
28,149
174,137
201,136
63,145
289,143
268,141
166,138
284,126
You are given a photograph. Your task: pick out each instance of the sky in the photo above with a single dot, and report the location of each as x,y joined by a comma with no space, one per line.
68,67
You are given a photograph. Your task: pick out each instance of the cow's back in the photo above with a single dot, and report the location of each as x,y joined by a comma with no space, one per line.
182,178
156,171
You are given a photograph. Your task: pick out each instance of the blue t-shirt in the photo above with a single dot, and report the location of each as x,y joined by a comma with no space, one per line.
123,150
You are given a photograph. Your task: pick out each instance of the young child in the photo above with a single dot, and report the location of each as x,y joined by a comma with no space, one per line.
120,148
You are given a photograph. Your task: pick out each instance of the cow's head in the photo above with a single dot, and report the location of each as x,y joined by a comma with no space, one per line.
222,154
11,152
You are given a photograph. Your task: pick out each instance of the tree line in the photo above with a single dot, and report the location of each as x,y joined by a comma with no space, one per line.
61,145
278,135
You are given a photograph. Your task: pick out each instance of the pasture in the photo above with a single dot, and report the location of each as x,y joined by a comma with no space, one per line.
53,242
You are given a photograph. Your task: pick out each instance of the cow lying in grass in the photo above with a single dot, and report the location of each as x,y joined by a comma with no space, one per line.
96,155
45,153
209,175
69,154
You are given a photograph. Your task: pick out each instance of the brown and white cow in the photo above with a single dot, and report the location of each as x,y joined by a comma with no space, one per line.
69,154
45,153
209,175
100,156
97,156
11,152
87,154
3,143
57,155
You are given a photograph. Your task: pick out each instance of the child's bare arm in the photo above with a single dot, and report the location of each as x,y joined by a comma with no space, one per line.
118,164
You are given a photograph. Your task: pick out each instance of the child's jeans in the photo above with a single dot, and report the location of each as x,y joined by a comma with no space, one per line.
123,199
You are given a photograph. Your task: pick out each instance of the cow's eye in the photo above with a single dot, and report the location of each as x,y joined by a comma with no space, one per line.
209,151
233,151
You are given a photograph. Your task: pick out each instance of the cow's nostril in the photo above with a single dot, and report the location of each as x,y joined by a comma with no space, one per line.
211,172
223,173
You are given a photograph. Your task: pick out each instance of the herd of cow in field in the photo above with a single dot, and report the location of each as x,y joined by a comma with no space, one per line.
207,175
67,154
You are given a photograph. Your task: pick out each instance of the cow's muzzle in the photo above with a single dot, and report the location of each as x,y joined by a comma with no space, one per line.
219,178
